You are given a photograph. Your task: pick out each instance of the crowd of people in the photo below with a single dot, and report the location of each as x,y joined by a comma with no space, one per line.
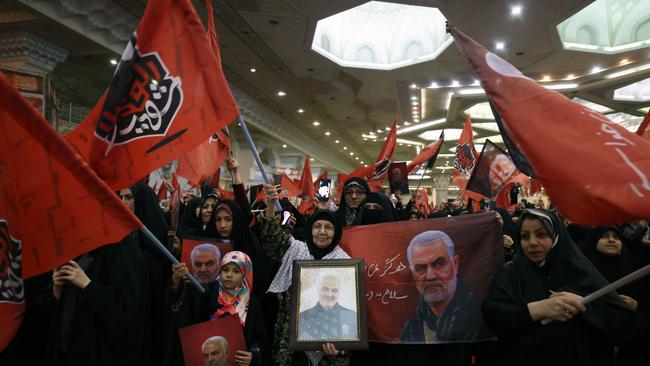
123,304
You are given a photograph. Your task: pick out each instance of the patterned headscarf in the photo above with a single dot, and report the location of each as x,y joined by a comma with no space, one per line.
236,300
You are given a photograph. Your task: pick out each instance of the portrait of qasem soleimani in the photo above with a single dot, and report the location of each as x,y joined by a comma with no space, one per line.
448,310
328,304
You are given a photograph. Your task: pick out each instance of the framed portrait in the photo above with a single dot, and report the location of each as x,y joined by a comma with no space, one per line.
212,342
328,305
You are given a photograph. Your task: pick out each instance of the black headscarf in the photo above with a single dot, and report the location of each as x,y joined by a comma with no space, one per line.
148,210
508,225
328,215
189,222
351,216
386,214
612,267
564,269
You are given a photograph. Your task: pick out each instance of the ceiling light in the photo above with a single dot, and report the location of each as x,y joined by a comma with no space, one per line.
365,139
546,78
570,77
356,158
407,123
624,62
433,85
414,86
316,123
311,159
351,153
471,91
414,103
345,147
408,142
628,71
379,131
454,83
113,61
476,82
327,133
387,128
362,162
300,110
336,141
596,69
515,10
420,126
401,144
414,98
500,45
366,165
281,93
284,146
253,69
561,86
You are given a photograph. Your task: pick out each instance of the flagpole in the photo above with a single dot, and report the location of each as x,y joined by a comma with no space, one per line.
611,287
251,144
421,179
169,256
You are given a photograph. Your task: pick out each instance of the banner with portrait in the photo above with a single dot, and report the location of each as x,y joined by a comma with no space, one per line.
190,243
214,342
451,265
493,170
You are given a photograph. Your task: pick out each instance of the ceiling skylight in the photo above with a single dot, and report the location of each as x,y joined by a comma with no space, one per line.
382,36
489,126
451,134
630,122
480,111
637,92
608,26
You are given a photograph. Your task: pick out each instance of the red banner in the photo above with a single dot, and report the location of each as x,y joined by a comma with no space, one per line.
53,207
167,96
428,154
397,313
198,340
594,170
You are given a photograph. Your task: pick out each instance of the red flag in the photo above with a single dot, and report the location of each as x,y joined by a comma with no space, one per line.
307,189
167,96
594,170
226,195
643,127
428,154
386,154
53,206
466,156
162,191
422,201
292,190
201,163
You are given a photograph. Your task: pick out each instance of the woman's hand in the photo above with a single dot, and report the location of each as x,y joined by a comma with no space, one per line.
179,272
270,194
630,302
57,283
331,350
561,306
233,168
243,358
73,273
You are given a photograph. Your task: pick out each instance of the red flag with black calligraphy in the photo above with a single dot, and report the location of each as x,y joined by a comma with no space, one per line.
307,203
594,170
53,207
395,276
168,95
466,156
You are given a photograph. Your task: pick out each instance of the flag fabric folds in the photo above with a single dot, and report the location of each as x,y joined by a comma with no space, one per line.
201,163
594,170
168,95
466,156
428,155
307,203
53,206
643,127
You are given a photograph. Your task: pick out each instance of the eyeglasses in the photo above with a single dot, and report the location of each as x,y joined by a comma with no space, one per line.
353,192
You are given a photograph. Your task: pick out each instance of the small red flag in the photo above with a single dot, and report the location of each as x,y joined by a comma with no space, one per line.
167,96
201,163
594,170
466,156
307,204
428,154
291,188
53,206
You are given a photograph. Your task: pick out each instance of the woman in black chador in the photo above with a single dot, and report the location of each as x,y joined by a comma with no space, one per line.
547,279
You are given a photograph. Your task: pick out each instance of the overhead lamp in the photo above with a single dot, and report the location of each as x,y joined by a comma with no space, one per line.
284,146
499,45
387,128
365,139
113,61
356,158
414,98
362,162
253,69
351,153
628,71
300,110
345,147
414,103
476,82
327,133
546,78
407,123
570,77
281,93
336,141
311,159
624,62
471,91
433,85
379,131
414,86
454,84
596,69
561,86
420,126
316,123
516,10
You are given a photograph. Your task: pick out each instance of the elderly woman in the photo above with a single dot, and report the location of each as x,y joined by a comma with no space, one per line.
322,243
547,279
